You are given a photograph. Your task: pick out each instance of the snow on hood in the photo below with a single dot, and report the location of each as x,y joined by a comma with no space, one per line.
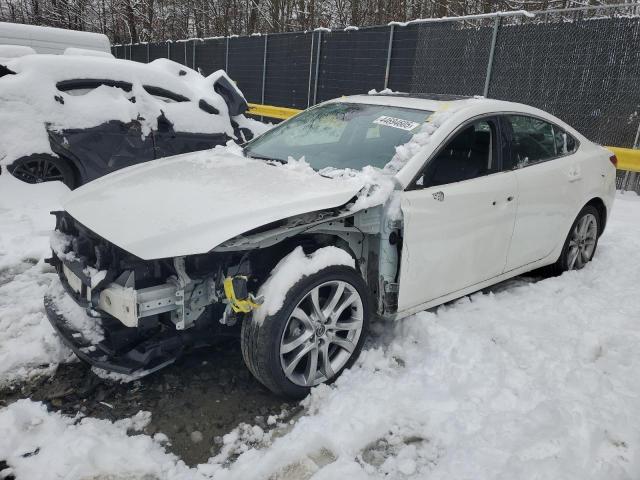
28,99
189,204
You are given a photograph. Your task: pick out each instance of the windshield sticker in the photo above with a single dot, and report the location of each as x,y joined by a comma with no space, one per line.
396,123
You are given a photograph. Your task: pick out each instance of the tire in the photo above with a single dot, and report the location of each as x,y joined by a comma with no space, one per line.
44,168
263,344
581,243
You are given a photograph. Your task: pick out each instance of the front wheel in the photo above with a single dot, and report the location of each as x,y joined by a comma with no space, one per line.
316,334
580,245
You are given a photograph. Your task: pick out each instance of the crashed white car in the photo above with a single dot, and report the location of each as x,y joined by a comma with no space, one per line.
367,205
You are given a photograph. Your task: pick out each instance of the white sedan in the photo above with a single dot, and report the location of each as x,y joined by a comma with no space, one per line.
366,205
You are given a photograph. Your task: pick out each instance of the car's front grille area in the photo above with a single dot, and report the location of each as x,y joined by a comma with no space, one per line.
89,248
85,248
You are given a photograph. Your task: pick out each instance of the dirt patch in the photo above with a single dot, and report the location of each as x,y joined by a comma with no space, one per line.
204,395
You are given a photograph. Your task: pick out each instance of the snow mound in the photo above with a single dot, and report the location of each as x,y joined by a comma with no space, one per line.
14,51
74,314
28,343
83,52
378,185
290,270
39,444
422,138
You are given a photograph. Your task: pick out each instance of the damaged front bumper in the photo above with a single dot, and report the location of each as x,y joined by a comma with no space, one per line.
104,342
113,310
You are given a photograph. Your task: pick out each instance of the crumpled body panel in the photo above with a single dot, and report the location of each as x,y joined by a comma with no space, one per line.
114,145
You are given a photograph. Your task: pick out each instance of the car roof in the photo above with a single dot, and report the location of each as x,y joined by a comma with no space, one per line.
462,105
440,97
427,102
163,73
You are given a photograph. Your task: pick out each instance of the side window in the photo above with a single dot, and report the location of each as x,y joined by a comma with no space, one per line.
534,140
165,95
471,153
565,143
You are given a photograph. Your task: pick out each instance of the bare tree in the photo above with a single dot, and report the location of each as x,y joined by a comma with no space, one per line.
131,21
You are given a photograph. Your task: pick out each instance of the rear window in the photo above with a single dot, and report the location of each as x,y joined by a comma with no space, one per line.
83,86
79,87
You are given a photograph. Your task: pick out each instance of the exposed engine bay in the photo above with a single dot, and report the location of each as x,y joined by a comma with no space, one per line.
153,310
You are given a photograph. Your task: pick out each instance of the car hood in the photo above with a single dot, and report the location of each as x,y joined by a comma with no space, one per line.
191,203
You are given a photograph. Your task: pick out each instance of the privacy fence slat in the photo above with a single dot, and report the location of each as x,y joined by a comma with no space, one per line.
583,65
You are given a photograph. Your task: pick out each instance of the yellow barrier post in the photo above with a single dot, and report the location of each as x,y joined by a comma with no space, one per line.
628,158
281,113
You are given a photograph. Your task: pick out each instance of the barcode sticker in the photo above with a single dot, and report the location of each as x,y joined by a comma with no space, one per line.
396,123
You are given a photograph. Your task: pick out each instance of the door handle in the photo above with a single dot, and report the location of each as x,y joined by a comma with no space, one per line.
510,198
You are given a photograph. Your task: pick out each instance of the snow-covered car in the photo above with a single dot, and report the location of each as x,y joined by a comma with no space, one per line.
74,117
396,204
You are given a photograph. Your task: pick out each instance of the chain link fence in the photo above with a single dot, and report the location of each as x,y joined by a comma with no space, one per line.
581,64
584,68
453,57
629,181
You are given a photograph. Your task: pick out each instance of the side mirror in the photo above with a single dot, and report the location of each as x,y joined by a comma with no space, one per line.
224,87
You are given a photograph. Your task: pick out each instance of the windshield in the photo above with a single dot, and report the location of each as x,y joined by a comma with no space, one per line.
340,135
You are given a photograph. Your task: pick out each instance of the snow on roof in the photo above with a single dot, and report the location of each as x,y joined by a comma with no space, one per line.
14,51
50,39
83,52
403,100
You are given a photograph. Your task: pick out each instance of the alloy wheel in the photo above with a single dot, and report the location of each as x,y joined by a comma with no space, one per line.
38,170
582,242
321,333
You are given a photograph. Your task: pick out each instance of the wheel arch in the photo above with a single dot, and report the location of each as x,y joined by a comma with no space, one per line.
55,156
78,175
310,242
600,206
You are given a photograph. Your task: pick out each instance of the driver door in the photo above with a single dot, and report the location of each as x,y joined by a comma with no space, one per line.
459,216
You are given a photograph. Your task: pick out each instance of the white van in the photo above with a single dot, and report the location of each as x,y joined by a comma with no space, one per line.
52,40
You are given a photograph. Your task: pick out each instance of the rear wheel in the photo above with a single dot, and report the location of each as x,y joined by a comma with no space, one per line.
582,241
43,168
316,334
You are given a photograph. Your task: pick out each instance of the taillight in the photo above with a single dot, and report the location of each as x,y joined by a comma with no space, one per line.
613,159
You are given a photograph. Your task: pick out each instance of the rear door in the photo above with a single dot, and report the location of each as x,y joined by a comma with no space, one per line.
104,148
458,217
167,141
549,180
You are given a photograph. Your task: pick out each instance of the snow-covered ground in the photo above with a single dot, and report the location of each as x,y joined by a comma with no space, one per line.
533,379
28,345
